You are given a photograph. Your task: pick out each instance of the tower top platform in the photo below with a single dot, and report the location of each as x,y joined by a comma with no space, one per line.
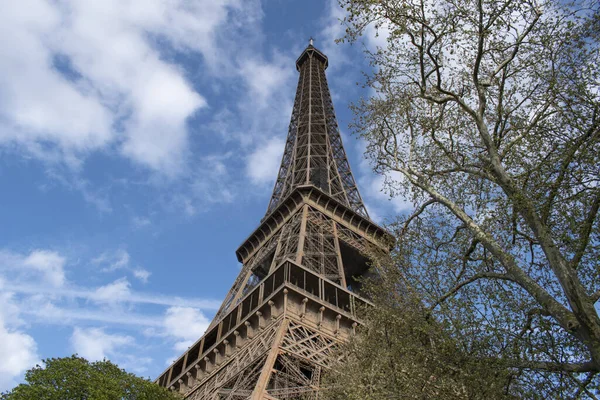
311,51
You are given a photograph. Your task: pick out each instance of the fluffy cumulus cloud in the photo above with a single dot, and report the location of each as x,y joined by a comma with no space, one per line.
263,163
95,344
142,274
49,263
333,30
45,265
114,292
185,325
82,75
18,350
38,103
263,79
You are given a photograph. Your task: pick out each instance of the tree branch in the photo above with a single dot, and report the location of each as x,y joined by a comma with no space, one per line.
416,214
586,230
588,366
517,45
583,386
564,168
474,278
558,311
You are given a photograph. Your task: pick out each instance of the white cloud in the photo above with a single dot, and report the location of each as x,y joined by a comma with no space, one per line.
114,292
49,265
129,296
186,325
265,78
142,274
49,313
49,300
184,203
118,260
263,163
73,182
9,314
212,182
18,350
121,261
36,101
333,29
136,363
80,75
263,110
112,261
375,190
95,344
376,37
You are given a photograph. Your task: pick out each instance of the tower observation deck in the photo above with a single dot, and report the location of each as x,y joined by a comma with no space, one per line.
295,299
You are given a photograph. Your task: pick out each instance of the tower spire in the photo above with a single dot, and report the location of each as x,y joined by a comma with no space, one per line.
314,153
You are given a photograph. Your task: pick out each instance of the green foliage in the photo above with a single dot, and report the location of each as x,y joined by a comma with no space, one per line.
75,378
400,352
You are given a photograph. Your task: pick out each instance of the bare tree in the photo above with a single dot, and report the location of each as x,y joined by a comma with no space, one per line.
486,114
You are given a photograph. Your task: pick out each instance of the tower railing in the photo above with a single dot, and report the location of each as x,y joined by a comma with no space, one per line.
268,299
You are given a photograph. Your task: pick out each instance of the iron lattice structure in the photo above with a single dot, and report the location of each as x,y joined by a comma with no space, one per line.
314,153
295,299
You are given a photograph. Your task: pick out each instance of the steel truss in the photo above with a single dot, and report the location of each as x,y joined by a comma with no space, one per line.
300,354
314,153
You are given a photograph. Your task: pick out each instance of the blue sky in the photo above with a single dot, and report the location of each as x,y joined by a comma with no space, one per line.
139,142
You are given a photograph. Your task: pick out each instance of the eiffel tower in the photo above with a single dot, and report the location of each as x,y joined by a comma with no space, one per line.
296,298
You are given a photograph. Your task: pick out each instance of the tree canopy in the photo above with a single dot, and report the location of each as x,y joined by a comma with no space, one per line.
485,114
402,353
75,378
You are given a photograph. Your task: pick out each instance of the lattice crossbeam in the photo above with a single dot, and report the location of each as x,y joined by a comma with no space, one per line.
314,153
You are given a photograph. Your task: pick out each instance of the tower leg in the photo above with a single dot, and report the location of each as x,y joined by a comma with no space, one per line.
259,392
